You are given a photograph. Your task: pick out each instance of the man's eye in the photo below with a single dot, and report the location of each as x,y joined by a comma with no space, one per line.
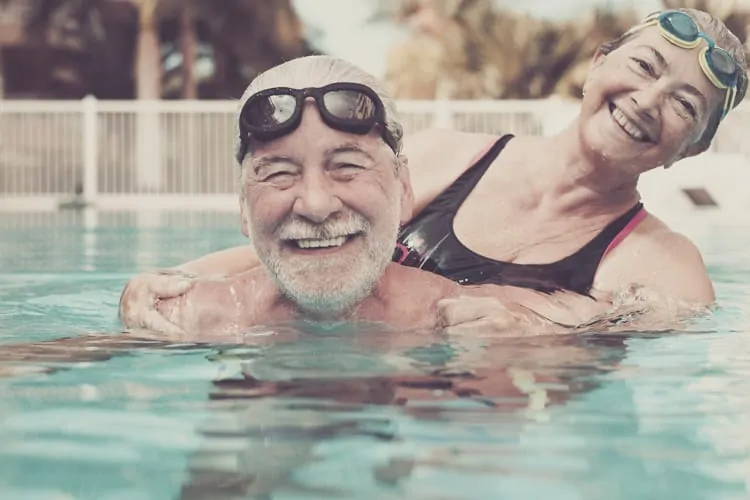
278,175
349,167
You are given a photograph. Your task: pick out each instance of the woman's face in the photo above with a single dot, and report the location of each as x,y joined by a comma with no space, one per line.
646,103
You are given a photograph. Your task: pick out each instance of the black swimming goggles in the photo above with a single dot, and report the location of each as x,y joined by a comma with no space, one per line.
717,64
275,112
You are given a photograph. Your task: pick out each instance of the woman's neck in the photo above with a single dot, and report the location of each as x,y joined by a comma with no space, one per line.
565,180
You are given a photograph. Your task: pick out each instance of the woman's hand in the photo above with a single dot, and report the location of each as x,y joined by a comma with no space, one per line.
490,316
516,312
140,299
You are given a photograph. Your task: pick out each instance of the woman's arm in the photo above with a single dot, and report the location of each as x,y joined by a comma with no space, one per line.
142,293
226,262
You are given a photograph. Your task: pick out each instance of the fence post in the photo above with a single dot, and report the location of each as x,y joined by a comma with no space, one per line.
90,149
149,157
443,114
556,114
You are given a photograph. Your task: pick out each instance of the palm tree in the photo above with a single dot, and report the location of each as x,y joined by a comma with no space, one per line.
148,54
90,45
472,50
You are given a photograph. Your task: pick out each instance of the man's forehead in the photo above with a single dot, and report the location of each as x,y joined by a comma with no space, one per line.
322,148
274,153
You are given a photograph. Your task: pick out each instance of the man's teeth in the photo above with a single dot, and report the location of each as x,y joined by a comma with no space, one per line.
333,242
629,127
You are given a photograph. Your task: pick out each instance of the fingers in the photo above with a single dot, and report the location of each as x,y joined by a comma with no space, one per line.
476,328
138,303
456,311
483,316
152,320
167,286
486,327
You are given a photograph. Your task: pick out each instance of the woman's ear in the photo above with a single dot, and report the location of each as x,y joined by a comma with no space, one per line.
596,60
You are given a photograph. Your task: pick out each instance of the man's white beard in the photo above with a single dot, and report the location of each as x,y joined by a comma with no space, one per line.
332,286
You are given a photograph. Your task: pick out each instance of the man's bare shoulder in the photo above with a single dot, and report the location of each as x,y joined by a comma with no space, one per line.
418,288
406,298
411,277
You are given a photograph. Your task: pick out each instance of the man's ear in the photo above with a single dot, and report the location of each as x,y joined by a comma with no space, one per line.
244,213
245,224
407,193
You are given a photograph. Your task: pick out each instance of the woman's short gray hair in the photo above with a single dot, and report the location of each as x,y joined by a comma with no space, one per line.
316,71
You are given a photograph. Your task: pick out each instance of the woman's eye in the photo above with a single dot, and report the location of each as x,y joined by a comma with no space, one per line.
644,66
688,107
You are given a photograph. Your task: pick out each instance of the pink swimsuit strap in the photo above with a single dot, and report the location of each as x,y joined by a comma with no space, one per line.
629,227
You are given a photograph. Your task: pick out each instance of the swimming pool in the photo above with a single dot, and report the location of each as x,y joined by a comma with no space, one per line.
353,413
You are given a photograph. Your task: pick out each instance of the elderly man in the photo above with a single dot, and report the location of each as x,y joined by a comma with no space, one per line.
323,193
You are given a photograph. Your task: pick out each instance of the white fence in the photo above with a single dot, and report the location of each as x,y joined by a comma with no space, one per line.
179,154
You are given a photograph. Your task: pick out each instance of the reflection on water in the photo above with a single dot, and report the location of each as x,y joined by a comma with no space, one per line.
293,432
285,410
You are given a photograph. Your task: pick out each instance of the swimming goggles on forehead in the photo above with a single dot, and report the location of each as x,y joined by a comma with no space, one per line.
347,107
717,64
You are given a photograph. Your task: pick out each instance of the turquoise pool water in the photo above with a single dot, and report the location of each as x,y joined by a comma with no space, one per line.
354,413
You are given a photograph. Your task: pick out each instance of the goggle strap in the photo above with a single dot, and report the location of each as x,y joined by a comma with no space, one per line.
643,25
729,100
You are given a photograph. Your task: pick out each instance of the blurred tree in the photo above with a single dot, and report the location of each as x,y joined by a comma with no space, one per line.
470,49
122,49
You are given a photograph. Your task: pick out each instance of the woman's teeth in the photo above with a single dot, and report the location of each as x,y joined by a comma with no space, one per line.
629,127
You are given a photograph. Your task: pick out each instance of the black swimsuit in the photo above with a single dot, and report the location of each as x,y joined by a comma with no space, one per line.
428,242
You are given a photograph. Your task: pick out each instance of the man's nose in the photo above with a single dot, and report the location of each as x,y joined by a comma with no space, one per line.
316,200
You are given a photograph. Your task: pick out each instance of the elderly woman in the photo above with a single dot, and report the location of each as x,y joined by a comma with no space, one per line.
560,212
